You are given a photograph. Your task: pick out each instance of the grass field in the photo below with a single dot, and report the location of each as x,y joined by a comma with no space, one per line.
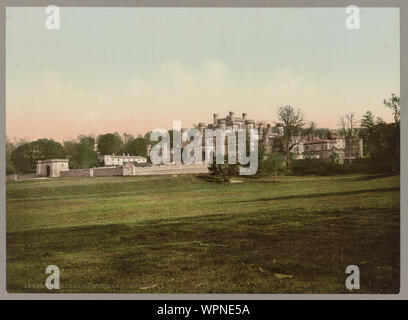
166,234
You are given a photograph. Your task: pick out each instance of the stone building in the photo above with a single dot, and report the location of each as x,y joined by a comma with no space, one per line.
114,160
314,148
305,147
230,122
51,167
266,131
325,148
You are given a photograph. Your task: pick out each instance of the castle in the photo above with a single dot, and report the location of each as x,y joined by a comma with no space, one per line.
266,132
306,147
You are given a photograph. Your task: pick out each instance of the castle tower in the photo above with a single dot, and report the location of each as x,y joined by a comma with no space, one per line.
223,127
231,117
201,127
215,116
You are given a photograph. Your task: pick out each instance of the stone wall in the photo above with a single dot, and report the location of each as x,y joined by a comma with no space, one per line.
76,173
107,172
11,177
171,169
25,176
124,171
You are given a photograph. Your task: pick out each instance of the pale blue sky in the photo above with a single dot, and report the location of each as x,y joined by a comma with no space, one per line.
136,69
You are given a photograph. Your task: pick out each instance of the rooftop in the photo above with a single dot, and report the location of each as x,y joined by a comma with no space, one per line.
52,160
123,156
319,141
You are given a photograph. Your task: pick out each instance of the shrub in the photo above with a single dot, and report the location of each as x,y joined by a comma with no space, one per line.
324,167
224,171
272,165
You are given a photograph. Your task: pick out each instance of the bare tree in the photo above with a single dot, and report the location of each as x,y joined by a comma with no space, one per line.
292,122
348,125
127,137
310,130
393,103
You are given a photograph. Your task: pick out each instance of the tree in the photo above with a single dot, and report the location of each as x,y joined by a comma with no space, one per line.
382,140
323,133
348,125
310,130
224,171
81,154
385,148
367,132
147,137
25,156
368,120
109,143
271,165
292,123
136,147
127,137
393,103
10,169
87,139
72,153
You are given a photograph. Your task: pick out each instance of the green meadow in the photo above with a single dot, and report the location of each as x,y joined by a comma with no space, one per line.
186,234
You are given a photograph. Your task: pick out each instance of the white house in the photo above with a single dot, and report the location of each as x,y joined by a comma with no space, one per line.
113,160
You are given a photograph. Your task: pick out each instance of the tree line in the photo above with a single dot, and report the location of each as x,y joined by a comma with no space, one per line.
381,145
22,155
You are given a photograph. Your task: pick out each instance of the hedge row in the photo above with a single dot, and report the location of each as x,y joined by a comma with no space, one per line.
322,167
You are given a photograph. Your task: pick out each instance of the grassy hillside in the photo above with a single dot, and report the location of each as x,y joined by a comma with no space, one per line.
183,234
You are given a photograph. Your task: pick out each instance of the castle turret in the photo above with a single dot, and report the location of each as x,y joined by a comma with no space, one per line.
250,124
231,117
201,127
215,115
223,124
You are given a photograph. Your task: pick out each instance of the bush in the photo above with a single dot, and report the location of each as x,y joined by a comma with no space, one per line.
272,165
322,167
10,169
25,156
314,167
368,165
224,171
